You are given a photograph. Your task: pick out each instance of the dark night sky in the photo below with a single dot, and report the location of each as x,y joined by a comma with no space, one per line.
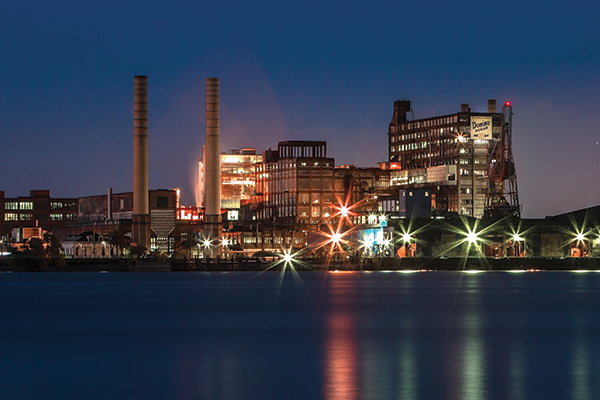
306,70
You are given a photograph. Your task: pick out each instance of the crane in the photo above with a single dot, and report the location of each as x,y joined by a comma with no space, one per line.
502,196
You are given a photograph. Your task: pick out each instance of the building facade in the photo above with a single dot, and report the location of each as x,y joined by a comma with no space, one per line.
36,210
238,177
448,155
295,184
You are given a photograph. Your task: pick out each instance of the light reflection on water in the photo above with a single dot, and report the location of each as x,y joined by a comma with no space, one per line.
332,336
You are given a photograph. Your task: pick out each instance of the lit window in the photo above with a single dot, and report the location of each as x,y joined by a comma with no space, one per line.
11,217
56,217
26,205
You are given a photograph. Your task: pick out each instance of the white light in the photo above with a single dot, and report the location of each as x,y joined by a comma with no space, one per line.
406,237
517,238
472,237
580,237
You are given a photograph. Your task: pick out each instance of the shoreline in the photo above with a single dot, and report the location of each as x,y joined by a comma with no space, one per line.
384,264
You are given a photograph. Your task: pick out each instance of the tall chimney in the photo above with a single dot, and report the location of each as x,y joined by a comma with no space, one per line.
212,165
491,106
141,213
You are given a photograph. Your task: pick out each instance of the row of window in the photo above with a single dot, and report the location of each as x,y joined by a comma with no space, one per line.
440,121
18,205
41,217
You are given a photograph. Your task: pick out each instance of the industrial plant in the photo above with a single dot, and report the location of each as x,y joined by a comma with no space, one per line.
447,191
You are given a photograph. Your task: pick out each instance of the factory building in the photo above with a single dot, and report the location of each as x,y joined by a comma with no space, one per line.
295,184
107,212
447,155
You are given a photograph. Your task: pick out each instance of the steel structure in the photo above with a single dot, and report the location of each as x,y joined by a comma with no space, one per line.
502,196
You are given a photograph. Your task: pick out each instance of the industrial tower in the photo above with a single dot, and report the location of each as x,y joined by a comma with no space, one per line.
502,196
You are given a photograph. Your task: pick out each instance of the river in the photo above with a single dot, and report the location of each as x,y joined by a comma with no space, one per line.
312,335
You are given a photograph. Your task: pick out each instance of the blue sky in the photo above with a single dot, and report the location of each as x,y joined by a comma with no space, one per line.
301,70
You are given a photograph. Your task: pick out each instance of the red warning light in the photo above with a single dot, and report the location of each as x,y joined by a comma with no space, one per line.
507,104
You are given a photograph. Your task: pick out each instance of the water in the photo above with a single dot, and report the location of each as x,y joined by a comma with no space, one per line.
442,335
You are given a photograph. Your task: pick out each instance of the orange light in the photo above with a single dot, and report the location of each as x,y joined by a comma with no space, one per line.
344,210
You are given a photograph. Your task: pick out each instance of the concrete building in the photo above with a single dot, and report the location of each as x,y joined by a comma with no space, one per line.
448,155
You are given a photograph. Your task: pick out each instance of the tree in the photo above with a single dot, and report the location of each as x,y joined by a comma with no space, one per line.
54,250
120,240
37,254
139,252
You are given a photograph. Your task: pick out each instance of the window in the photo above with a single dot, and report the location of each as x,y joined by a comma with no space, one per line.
56,205
303,198
56,217
11,217
26,217
162,201
26,205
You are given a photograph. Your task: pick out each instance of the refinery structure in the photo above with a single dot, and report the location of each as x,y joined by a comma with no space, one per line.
443,174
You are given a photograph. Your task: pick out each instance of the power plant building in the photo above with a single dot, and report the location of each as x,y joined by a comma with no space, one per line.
448,155
238,177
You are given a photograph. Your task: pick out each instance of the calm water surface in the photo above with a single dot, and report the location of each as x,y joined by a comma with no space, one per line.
443,335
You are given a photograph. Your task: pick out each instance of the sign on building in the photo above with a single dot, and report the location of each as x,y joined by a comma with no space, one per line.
481,127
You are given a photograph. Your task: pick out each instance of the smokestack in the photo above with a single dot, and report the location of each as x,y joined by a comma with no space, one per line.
491,106
212,165
464,107
141,213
